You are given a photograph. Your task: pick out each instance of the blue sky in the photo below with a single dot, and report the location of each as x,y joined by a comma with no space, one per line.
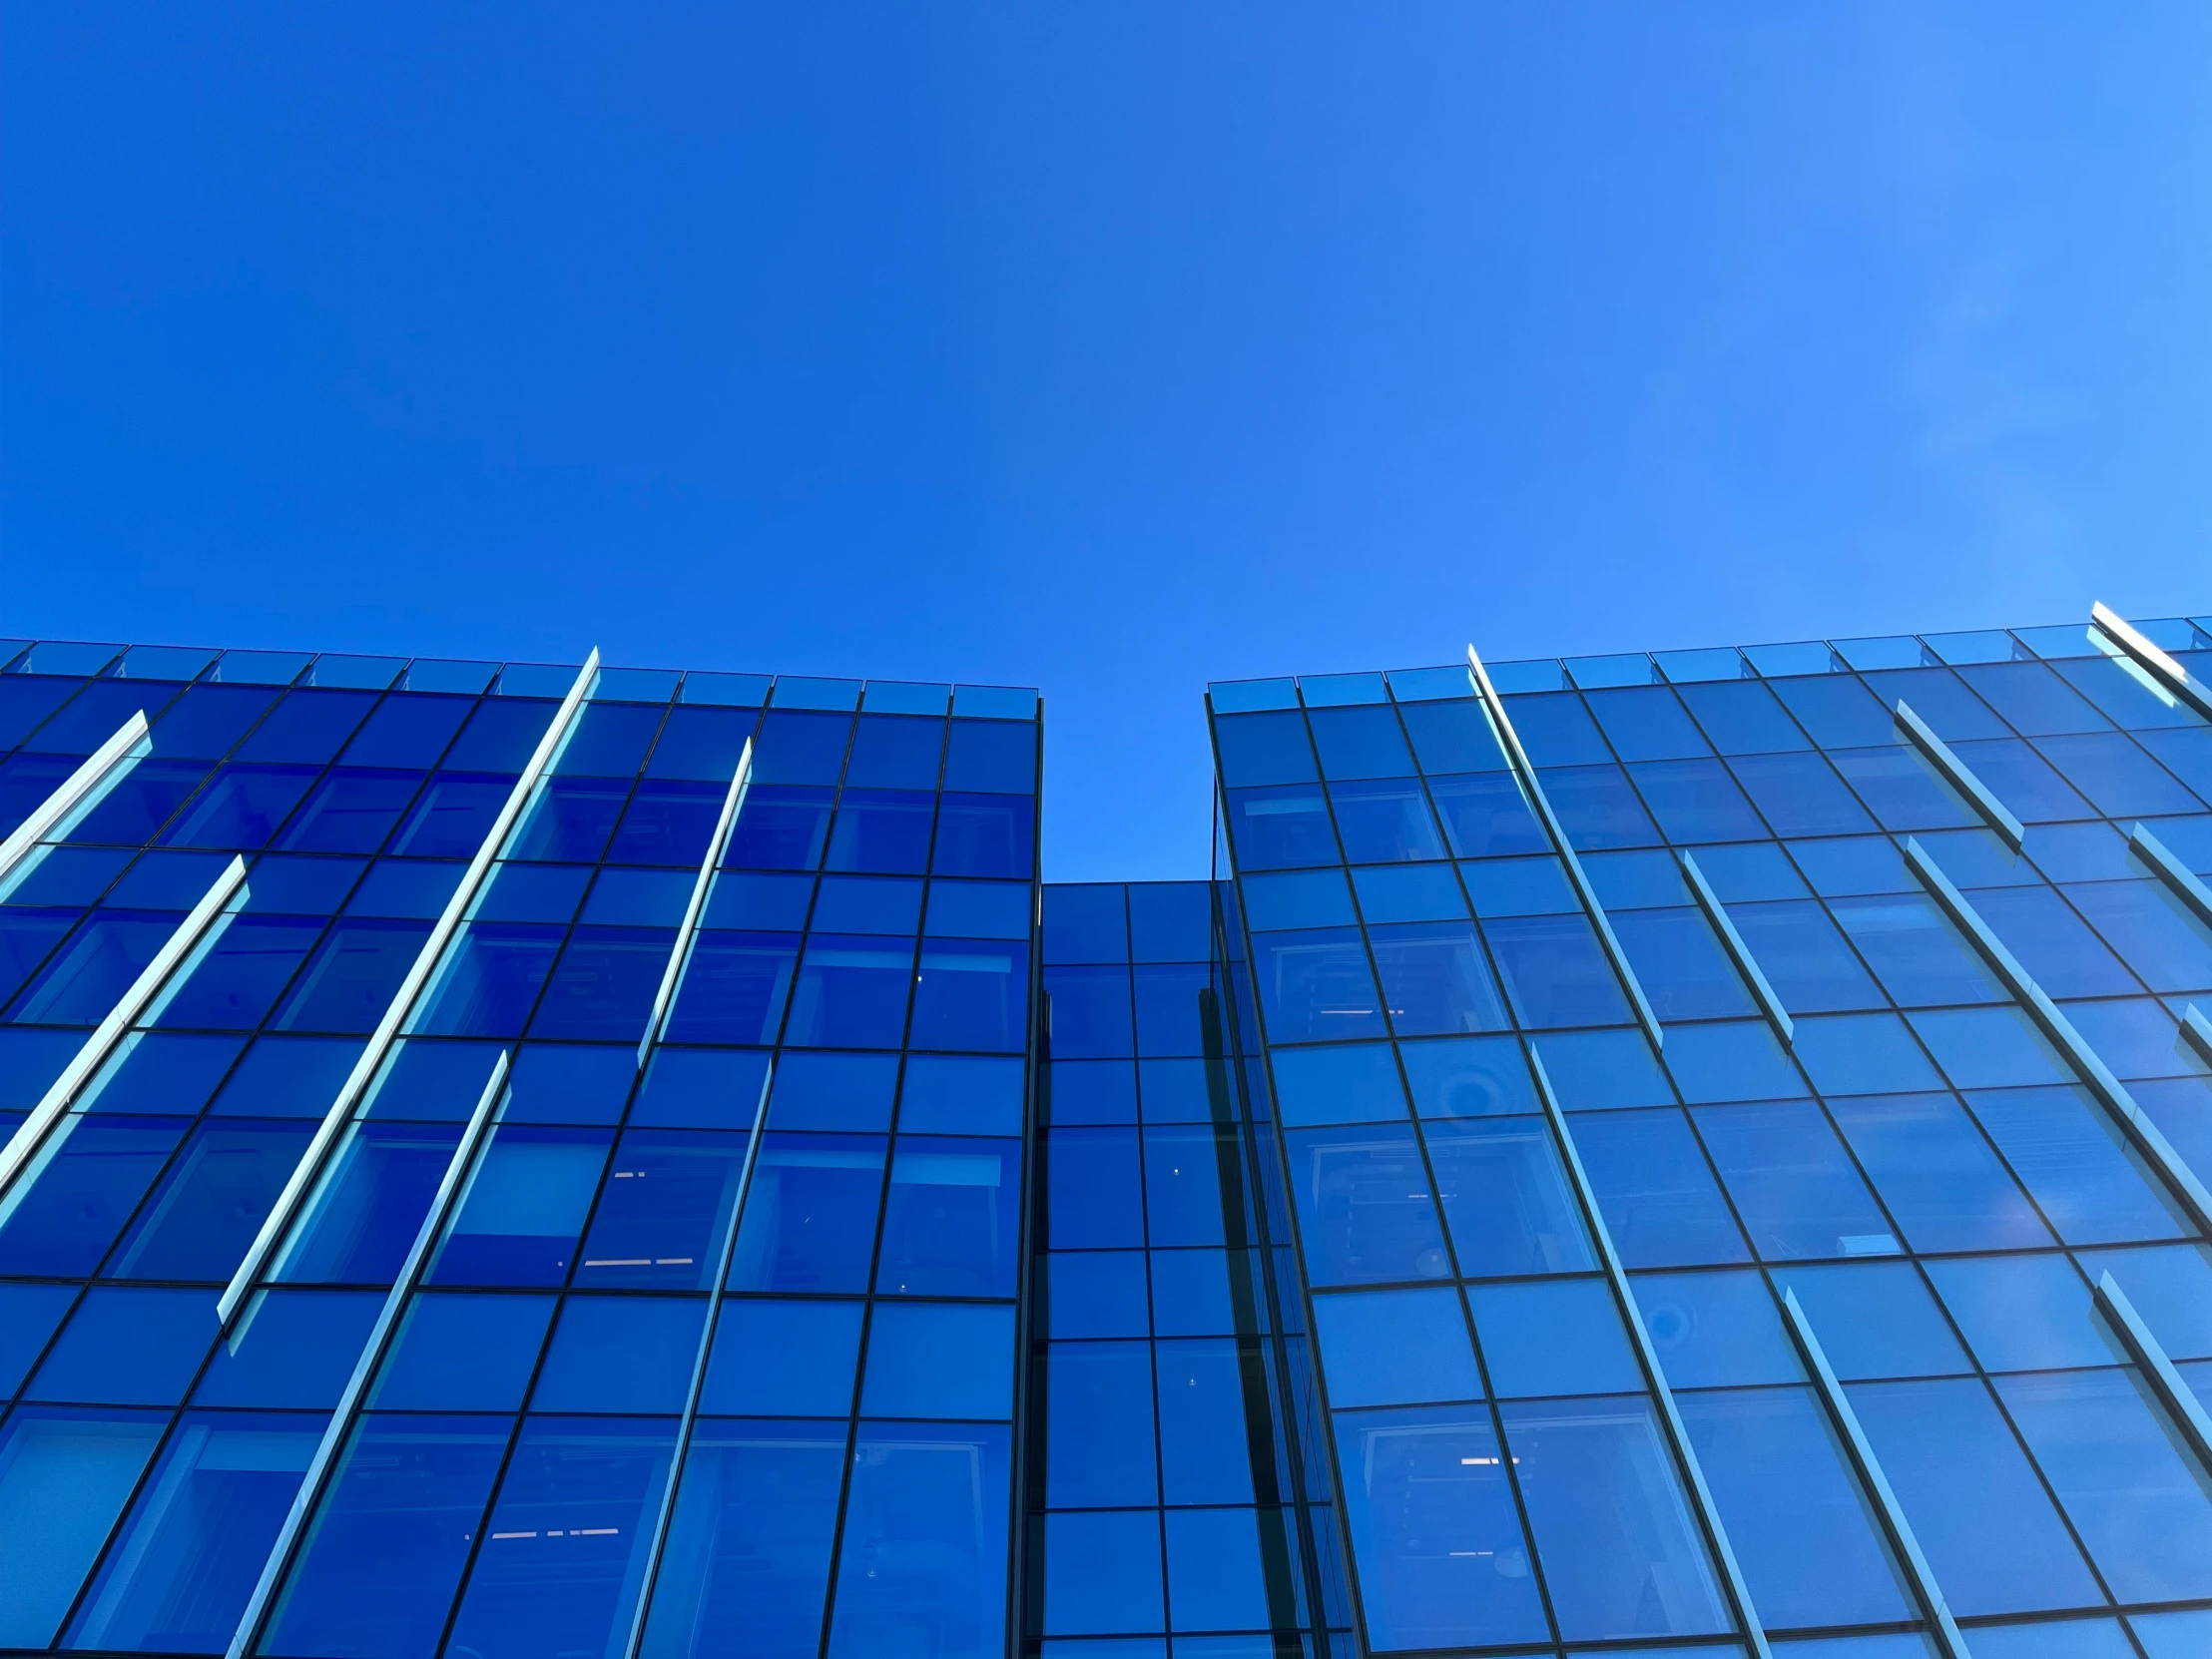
1108,348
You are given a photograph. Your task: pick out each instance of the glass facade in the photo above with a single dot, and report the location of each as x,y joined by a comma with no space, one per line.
1696,1154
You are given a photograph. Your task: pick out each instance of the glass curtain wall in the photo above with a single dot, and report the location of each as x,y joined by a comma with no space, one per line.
819,1149
1913,1156
1160,1484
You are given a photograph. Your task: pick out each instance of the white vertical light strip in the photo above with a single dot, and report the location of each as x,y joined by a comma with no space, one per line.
365,1367
285,1211
665,1510
673,975
1745,964
23,1145
2137,644
1739,1592
81,790
2172,871
1959,774
1517,757
2148,1140
2149,1354
1844,1420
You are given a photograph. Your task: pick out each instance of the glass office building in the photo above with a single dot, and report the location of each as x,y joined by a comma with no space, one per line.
1698,1154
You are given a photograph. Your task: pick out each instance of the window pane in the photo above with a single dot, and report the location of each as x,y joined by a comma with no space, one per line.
1437,1544
64,1477
746,1561
925,1543
2124,1480
1659,1199
565,1549
1613,1526
1948,1189
376,1573
1807,1542
1506,1197
1098,1443
184,1563
1792,1182
1991,1536
1364,1207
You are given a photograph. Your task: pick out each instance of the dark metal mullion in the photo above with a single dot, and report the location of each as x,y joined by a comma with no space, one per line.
1980,1375
1031,1201
1263,1410
688,1425
1523,768
883,1192
621,1124
1312,1327
565,1292
598,865
343,1430
1734,1586
1143,1213
1263,1250
1522,1037
1297,1238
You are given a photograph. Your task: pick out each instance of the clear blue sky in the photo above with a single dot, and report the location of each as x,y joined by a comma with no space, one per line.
1105,348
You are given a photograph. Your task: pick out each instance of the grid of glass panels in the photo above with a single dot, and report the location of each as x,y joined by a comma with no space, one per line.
867,940
1161,1491
1919,1166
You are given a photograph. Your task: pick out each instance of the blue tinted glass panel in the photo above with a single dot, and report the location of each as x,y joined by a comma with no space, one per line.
1364,1212
1990,1533
89,1176
924,1542
64,1479
1610,1517
1658,1196
1441,1556
1507,1197
377,1570
778,1358
810,1213
567,1540
464,1354
746,1565
212,1201
1807,1542
188,1558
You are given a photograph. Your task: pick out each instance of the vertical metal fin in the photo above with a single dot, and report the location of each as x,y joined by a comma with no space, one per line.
1745,964
673,975
317,1474
23,1145
2197,1029
78,792
665,1511
1517,757
2144,1134
1860,1449
286,1208
2149,1354
2171,871
1959,774
1739,1592
2137,644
